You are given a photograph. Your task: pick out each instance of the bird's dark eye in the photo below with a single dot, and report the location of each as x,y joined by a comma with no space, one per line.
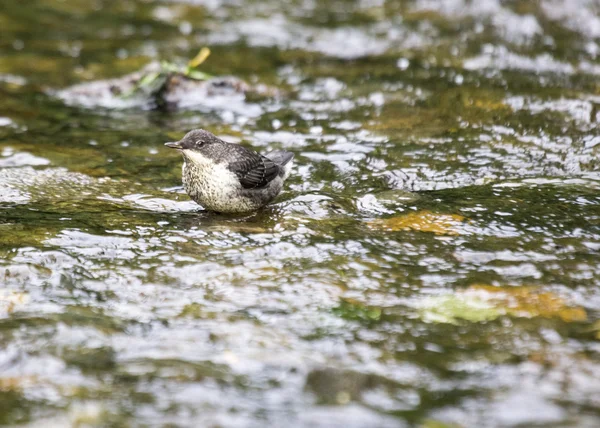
199,143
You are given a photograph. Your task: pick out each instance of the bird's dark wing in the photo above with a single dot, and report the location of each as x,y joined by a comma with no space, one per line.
253,170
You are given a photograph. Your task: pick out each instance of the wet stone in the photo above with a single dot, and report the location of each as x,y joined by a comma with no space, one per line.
334,386
175,92
91,359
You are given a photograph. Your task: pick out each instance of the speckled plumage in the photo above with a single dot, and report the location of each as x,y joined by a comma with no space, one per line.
229,178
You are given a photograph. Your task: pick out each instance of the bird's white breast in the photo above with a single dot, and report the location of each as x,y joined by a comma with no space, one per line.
210,171
212,185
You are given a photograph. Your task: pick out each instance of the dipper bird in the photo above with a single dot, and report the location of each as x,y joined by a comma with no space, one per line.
228,178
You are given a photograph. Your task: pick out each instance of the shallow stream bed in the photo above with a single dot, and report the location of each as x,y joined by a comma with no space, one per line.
434,260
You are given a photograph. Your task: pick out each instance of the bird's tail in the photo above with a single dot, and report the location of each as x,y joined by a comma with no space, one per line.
280,157
283,159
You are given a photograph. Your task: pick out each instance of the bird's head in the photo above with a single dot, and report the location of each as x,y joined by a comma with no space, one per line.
197,140
198,146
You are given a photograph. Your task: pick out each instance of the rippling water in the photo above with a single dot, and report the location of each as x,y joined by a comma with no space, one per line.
434,260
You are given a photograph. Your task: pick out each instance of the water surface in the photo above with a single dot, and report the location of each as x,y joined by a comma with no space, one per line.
434,260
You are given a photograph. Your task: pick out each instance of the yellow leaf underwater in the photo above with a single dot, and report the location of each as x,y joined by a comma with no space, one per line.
485,303
10,299
422,221
530,302
16,382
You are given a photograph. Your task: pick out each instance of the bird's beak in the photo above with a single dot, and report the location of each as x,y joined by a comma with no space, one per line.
174,145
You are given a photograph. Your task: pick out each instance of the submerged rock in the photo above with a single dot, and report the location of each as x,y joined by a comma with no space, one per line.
21,185
172,91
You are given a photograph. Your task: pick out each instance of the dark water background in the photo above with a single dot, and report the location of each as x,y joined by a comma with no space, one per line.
433,262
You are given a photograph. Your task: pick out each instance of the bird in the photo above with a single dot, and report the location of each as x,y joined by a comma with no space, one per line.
228,178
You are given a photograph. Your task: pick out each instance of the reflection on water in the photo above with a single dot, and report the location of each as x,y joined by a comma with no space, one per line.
433,261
